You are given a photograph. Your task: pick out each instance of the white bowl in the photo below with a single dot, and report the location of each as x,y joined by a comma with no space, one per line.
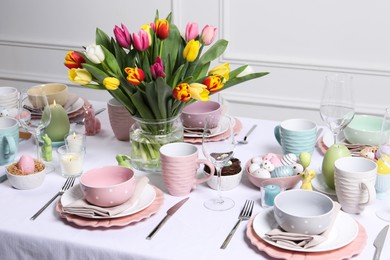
228,182
26,182
53,91
303,211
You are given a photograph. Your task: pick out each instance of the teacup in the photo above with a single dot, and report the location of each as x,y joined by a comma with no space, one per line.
296,135
355,179
179,164
9,139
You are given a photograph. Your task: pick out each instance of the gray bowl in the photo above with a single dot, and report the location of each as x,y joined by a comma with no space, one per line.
303,211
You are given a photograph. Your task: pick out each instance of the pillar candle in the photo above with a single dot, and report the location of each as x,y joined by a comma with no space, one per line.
270,192
59,124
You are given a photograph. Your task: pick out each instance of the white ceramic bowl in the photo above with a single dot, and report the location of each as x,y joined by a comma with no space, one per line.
364,129
303,211
194,115
26,182
108,186
53,91
228,182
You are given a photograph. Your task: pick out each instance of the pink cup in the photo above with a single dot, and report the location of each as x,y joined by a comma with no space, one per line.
179,164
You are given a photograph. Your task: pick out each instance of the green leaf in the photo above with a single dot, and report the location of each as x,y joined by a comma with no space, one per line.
96,72
142,106
213,52
236,72
111,62
238,80
103,39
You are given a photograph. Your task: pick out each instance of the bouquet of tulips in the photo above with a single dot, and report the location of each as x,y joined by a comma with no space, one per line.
156,71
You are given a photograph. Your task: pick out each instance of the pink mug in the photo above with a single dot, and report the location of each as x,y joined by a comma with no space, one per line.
179,165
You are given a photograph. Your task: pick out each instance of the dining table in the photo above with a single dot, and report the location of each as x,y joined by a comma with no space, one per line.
193,232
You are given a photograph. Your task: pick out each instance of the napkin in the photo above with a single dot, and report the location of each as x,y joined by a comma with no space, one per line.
296,240
83,208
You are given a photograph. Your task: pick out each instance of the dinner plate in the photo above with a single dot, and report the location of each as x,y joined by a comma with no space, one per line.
220,129
75,106
344,230
146,198
319,184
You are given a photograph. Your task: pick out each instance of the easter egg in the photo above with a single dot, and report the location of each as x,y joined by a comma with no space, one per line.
282,171
289,159
262,173
382,166
26,164
254,167
297,168
266,164
305,159
257,159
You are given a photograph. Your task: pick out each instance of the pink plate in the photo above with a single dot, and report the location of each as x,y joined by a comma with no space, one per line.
197,140
353,248
119,222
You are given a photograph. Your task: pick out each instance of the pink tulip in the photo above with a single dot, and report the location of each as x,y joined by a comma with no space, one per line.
191,31
141,40
122,36
208,34
157,69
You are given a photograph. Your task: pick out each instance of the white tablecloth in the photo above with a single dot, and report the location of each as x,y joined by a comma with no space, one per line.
192,233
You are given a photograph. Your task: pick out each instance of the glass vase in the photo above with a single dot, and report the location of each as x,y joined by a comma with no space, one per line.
146,138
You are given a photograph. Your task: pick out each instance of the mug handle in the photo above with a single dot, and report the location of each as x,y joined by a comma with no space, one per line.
10,148
365,185
206,177
277,133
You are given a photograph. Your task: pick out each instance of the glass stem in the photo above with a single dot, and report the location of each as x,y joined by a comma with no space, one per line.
219,196
36,136
334,138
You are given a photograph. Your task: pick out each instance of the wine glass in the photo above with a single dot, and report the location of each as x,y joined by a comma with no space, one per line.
384,155
219,153
337,104
38,107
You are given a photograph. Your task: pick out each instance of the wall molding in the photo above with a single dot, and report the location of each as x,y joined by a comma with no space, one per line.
287,62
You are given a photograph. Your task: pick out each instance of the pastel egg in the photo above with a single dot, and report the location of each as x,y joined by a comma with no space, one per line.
262,173
254,167
282,171
26,164
257,159
297,168
266,164
289,159
273,158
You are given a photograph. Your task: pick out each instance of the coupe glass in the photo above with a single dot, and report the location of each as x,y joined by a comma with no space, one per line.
219,153
384,154
337,104
40,117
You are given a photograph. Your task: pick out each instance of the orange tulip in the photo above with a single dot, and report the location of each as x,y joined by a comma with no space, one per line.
214,83
135,75
162,29
182,92
73,60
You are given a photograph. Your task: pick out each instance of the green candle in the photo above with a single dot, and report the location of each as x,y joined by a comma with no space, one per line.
59,124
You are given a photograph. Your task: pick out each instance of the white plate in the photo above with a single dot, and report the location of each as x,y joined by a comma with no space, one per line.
319,185
146,198
345,229
75,106
220,129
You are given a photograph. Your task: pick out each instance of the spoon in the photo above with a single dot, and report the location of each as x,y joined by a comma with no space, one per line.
244,141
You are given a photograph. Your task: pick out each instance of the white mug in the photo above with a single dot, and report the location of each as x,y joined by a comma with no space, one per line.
355,183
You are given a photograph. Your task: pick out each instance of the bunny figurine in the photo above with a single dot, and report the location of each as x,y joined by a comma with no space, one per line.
307,176
92,124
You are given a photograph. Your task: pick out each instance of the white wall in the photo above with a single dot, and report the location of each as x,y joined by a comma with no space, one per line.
298,42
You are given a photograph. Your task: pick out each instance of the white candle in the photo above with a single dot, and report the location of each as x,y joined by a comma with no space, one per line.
75,142
71,164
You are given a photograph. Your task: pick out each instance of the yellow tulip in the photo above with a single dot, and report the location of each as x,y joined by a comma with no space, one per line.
79,76
199,92
111,83
221,70
191,50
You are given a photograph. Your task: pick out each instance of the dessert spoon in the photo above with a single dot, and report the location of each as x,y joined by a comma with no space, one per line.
244,141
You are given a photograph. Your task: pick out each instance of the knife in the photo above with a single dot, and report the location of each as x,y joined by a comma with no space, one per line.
380,241
3,178
170,212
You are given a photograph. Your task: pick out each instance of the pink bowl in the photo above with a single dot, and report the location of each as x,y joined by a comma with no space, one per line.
288,182
108,186
194,115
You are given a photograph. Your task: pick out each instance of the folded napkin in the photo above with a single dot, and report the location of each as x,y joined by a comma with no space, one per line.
83,208
296,240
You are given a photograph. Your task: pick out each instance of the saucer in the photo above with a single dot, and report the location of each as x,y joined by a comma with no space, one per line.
344,231
220,129
319,185
146,198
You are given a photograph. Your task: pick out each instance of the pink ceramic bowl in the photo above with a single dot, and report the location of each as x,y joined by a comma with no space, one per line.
287,182
108,186
194,115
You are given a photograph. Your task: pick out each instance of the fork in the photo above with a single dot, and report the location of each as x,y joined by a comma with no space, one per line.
68,184
245,214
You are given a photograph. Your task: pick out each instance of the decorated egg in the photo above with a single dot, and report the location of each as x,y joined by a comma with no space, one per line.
289,159
282,171
297,168
262,173
257,159
382,167
26,164
273,158
254,167
266,164
305,159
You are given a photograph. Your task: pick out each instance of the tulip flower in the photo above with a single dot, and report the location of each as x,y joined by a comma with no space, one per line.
208,34
95,53
111,83
182,92
157,69
199,92
73,60
135,75
221,70
141,40
191,50
191,31
214,83
162,29
122,36
147,27
79,76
